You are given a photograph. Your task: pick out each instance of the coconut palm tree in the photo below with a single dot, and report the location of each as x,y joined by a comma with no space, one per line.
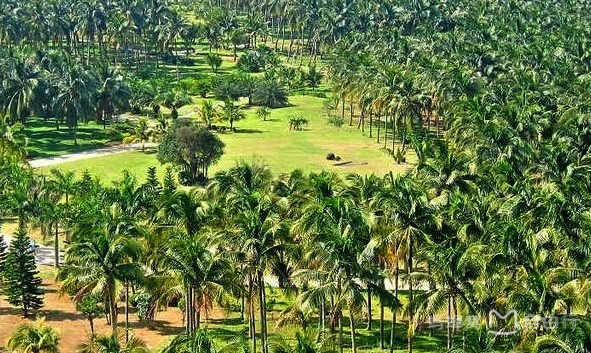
98,261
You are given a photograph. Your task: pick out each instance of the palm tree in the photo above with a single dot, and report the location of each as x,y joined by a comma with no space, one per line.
141,133
34,337
245,190
231,113
190,268
208,112
98,261
112,344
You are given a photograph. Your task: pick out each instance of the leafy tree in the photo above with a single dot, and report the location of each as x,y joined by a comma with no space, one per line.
269,94
313,77
34,337
231,113
214,61
23,285
263,113
208,112
141,133
91,307
192,149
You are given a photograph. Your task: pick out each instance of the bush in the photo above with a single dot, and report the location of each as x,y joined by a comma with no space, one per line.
256,60
330,156
197,86
336,120
297,123
270,94
251,61
234,86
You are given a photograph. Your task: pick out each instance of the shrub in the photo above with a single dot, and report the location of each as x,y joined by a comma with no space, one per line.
269,94
251,61
234,86
197,86
336,120
297,123
330,156
214,61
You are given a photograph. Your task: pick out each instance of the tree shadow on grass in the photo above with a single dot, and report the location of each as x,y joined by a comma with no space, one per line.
248,131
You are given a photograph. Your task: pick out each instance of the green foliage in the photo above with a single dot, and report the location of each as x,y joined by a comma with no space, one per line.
231,113
269,94
263,113
142,302
192,149
169,184
22,283
255,60
297,123
34,337
215,61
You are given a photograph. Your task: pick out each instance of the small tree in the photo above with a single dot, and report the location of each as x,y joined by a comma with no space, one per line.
91,307
269,94
231,113
192,149
313,77
208,112
141,133
23,285
263,113
215,61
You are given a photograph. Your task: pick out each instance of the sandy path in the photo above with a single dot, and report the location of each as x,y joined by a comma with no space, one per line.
99,152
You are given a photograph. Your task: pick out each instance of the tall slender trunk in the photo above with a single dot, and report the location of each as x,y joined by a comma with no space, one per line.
393,329
263,312
448,322
410,334
382,337
370,123
340,331
56,246
352,324
113,309
126,311
369,307
379,124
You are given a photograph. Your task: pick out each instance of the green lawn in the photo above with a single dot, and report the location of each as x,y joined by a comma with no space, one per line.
272,142
44,140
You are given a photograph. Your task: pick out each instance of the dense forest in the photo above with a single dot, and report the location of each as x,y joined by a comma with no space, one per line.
494,216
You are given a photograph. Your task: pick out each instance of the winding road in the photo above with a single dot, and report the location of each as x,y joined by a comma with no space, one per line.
44,255
99,152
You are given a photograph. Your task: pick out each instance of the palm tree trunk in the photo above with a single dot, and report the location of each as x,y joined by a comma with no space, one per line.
126,311
56,246
379,124
410,335
113,313
369,307
352,323
340,331
393,329
263,312
448,322
382,336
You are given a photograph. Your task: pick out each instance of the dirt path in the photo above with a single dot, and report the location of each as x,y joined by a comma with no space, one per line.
99,152
60,313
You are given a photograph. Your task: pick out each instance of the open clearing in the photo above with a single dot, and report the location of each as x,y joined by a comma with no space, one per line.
270,141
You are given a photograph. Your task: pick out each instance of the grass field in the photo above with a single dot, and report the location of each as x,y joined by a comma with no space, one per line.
269,141
223,324
43,140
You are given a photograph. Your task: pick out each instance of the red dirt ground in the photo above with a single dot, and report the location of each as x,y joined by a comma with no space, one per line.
60,313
